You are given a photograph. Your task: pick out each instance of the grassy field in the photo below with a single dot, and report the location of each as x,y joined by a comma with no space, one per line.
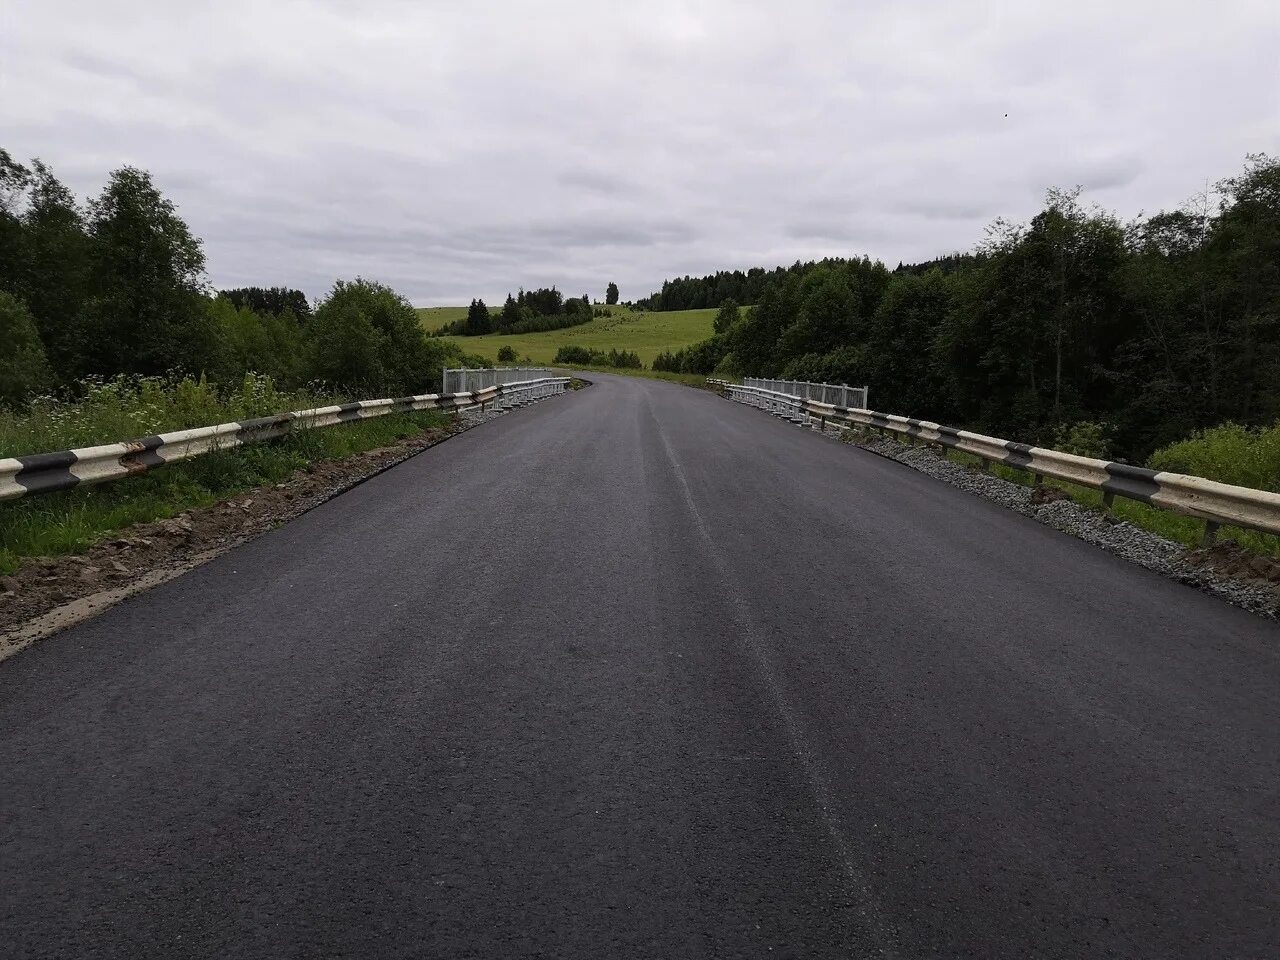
647,333
433,318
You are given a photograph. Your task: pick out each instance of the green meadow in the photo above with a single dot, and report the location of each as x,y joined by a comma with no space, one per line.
648,333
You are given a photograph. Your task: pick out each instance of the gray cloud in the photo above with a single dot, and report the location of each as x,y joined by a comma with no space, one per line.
457,152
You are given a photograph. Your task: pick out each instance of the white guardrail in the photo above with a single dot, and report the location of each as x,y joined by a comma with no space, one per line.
464,379
1215,503
838,394
46,472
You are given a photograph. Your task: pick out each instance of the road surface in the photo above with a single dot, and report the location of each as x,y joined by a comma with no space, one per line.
638,672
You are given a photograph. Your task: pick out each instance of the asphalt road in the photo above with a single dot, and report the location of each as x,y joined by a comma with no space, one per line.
637,672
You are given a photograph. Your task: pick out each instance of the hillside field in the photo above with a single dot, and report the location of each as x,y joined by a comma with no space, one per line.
647,333
433,318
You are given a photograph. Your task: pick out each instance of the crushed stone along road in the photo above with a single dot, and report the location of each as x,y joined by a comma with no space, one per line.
641,672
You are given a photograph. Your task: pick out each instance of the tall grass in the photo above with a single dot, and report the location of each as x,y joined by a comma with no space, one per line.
72,520
106,411
1245,456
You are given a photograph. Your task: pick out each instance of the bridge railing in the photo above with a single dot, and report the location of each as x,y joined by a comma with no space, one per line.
465,379
839,394
46,472
1215,503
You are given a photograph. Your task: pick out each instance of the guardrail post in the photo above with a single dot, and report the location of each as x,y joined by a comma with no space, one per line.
1108,501
1210,533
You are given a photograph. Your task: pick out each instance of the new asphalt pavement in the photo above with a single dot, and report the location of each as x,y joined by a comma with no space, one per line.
639,672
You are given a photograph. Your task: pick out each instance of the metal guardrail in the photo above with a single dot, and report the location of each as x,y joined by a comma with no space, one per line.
464,379
1215,503
839,394
46,472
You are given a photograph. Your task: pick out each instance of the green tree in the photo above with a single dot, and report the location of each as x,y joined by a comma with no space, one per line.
478,320
24,369
58,265
611,294
344,348
510,313
255,342
726,316
506,354
146,314
365,335
15,180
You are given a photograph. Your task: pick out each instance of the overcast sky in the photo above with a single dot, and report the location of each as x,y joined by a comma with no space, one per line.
461,149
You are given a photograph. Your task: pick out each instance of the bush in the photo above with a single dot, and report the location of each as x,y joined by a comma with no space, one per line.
1085,439
702,357
622,359
506,354
573,354
1230,453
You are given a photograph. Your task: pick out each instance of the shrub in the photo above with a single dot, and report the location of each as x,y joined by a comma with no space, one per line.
573,354
1230,453
1085,439
506,354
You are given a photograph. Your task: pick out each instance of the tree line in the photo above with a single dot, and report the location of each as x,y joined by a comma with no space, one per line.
116,286
1137,333
589,356
531,311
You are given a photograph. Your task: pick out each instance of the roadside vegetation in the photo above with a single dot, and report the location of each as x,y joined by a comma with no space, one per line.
72,520
1141,333
109,331
614,358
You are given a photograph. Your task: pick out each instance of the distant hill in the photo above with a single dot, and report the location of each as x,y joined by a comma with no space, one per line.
647,333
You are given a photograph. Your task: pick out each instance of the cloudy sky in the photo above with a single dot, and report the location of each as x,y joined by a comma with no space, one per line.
463,149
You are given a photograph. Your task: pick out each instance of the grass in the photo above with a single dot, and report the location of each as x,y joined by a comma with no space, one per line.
70,521
127,407
647,333
433,318
1185,530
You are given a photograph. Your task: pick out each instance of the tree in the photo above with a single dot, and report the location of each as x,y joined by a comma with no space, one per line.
146,271
478,320
726,316
58,265
23,367
510,312
270,300
506,354
343,346
15,179
365,335
611,294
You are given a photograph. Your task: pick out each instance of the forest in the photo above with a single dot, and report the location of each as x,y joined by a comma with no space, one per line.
1134,334
534,311
116,286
